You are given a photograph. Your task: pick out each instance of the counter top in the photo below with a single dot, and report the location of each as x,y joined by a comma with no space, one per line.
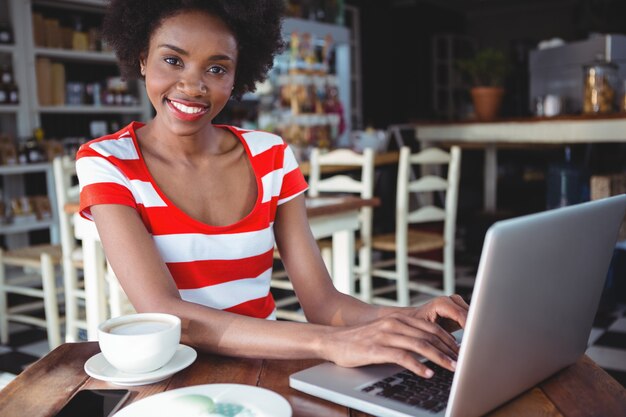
567,129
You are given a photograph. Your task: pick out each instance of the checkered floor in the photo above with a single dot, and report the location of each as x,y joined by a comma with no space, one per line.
607,342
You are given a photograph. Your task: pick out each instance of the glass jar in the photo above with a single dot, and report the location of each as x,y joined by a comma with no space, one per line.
600,86
623,104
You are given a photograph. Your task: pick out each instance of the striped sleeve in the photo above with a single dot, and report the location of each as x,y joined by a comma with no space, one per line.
293,183
109,172
101,183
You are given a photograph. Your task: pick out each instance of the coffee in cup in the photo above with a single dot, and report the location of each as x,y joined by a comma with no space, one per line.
139,343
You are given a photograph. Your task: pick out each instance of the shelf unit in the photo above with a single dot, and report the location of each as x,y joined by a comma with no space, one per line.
143,111
22,119
16,233
274,112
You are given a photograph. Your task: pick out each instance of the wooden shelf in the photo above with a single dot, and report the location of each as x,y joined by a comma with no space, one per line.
7,48
9,108
87,109
71,55
19,169
10,228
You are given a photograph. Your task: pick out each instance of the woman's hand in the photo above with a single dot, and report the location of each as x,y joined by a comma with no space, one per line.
449,312
400,336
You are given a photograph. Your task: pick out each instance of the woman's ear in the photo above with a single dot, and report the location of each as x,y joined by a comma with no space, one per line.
142,66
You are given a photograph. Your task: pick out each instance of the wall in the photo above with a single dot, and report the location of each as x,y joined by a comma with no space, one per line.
396,48
396,56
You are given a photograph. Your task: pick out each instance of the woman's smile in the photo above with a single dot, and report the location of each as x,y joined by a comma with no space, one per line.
186,110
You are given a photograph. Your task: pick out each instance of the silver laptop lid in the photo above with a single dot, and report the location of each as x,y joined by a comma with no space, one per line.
542,275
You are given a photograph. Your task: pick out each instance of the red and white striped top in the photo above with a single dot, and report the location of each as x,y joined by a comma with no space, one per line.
225,267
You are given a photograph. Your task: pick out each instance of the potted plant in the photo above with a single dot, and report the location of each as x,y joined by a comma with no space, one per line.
487,71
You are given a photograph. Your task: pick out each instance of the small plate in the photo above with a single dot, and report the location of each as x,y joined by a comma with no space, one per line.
98,367
231,400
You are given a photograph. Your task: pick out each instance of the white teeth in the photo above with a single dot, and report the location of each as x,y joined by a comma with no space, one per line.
187,109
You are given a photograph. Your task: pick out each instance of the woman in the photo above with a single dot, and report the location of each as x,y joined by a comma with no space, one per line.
188,210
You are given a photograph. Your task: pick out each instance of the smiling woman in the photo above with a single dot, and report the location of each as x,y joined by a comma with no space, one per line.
194,54
189,211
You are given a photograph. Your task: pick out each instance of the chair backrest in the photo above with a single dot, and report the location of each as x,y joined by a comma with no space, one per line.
64,169
342,183
429,184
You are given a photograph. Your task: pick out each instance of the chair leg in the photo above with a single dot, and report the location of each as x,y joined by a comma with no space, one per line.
4,321
115,293
327,257
402,269
51,304
70,280
448,271
365,271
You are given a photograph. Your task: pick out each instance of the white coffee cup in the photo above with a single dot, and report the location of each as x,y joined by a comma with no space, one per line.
139,343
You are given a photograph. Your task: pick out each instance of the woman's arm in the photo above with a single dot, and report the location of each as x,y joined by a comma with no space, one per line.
393,339
370,330
307,271
300,255
149,286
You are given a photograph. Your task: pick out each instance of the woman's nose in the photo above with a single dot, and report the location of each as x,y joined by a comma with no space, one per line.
193,84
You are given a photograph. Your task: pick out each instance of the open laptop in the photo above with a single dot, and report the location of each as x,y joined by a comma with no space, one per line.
538,286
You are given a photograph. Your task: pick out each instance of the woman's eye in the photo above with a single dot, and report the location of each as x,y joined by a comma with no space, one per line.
172,61
217,70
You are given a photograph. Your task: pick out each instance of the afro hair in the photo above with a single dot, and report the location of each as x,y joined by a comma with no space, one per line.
256,24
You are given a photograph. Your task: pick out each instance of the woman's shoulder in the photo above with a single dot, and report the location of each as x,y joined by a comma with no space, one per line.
120,144
258,141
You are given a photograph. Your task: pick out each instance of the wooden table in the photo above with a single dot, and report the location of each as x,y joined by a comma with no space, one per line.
42,389
528,131
335,217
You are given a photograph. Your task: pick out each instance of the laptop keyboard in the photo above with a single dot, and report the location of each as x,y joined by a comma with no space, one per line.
430,394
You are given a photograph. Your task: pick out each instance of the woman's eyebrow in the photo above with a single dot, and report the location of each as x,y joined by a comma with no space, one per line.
218,57
174,48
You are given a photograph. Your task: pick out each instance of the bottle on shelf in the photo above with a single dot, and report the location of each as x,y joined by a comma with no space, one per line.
6,83
600,82
567,183
3,209
13,93
80,38
29,149
623,104
10,87
4,99
6,33
35,146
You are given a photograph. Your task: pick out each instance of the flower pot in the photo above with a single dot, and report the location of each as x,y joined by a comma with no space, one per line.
487,102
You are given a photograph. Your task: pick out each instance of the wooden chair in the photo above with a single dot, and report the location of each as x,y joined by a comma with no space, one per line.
337,184
30,272
344,184
407,242
67,191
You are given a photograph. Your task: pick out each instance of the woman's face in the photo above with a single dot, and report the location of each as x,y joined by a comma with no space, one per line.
190,70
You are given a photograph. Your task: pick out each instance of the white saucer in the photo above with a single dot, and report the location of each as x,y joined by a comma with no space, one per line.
98,367
251,401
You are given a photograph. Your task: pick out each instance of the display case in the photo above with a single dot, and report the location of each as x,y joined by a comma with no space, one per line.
68,91
307,97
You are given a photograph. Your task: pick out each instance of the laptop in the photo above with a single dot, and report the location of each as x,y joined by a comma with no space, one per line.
538,287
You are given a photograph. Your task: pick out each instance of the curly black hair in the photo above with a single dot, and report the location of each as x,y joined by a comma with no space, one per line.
256,24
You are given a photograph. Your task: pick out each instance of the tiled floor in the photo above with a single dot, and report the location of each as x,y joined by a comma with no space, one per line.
607,342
